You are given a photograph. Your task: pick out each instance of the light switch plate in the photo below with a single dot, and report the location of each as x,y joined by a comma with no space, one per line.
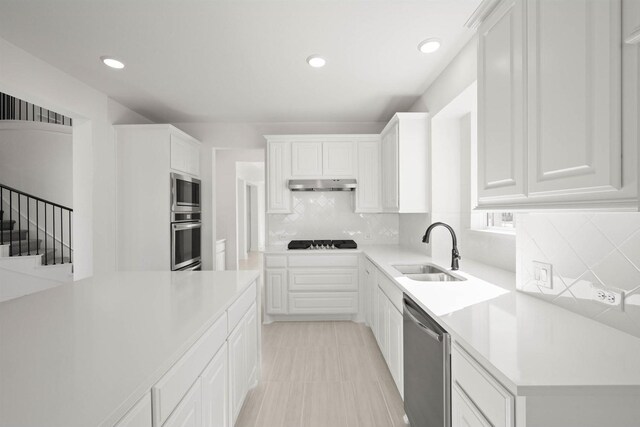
543,274
611,297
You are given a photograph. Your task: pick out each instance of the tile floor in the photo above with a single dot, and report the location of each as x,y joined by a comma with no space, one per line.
322,374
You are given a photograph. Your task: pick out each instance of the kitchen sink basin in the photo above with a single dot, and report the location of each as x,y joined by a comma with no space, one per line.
427,273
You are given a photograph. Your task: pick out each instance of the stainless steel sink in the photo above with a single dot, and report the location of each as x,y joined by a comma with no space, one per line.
427,273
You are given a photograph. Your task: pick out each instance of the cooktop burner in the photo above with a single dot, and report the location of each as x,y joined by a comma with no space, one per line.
322,244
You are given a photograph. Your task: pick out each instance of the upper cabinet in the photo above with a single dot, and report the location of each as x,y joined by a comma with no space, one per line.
339,159
406,165
185,154
369,179
323,159
278,172
306,159
550,132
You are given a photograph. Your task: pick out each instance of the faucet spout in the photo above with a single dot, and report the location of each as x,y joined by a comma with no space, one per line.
455,255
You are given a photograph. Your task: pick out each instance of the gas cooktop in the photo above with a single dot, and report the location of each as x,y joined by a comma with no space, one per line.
322,244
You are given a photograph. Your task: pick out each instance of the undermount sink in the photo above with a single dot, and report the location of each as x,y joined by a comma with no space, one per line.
427,273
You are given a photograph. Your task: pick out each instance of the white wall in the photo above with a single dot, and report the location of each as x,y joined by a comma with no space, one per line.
27,77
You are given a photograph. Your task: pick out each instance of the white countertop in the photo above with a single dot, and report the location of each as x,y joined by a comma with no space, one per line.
109,337
531,346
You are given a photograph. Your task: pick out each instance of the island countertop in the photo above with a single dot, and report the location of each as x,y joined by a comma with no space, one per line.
82,353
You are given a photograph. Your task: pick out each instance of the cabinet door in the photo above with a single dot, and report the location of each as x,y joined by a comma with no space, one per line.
276,292
189,412
383,324
237,371
501,114
194,156
278,195
574,96
179,154
251,338
215,403
369,177
463,412
390,190
306,159
139,415
395,347
221,261
338,159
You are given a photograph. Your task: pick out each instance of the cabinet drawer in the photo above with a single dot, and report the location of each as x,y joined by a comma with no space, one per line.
169,391
487,394
275,261
323,279
323,261
323,302
391,291
238,309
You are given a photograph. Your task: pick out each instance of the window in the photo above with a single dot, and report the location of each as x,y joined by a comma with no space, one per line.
499,221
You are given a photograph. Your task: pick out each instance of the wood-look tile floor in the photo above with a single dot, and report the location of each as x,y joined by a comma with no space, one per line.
322,374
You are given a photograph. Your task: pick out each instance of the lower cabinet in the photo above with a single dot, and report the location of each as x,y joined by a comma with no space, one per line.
464,412
215,401
243,361
188,413
139,415
388,333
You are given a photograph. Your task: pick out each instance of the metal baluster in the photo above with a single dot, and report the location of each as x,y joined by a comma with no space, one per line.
61,238
1,219
28,228
53,234
46,258
70,256
19,226
37,228
10,219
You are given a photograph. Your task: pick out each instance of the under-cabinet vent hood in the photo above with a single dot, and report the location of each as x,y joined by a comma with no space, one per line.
322,184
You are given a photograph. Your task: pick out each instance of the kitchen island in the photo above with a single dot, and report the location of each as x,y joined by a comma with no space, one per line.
85,353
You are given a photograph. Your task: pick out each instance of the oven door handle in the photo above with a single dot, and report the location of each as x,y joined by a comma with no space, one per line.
421,325
184,226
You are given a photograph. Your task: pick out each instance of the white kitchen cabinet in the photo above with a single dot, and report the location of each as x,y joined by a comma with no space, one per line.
215,401
145,158
463,412
188,413
306,159
278,173
550,131
323,303
395,347
221,255
406,171
369,177
243,360
139,415
501,91
338,159
276,291
382,324
369,288
323,279
185,155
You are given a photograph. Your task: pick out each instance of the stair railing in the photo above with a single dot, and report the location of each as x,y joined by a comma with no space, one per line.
43,222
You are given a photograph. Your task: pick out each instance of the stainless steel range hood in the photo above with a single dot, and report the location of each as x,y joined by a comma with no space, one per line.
322,184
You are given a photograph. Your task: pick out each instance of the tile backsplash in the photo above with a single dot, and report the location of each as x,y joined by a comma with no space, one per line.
586,250
329,215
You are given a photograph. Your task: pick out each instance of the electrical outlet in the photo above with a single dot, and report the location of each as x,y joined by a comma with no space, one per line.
543,274
614,298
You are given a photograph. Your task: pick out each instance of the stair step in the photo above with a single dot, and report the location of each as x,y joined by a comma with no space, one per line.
21,247
13,235
6,224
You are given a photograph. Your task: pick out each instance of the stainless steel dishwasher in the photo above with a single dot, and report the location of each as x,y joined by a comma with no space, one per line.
427,369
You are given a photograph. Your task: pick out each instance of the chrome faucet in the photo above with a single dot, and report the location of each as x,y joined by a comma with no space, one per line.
455,255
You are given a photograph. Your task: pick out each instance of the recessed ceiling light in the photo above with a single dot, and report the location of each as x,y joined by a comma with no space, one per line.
112,62
429,45
316,61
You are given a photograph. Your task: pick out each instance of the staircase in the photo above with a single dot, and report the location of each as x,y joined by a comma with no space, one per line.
31,226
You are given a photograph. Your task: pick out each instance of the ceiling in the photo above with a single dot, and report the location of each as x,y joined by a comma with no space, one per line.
244,61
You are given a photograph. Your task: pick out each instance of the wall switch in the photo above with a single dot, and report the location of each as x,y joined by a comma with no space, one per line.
614,298
542,274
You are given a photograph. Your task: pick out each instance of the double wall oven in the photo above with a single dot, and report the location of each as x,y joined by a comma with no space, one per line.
186,223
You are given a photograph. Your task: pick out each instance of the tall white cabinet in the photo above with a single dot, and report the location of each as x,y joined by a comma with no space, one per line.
550,107
146,155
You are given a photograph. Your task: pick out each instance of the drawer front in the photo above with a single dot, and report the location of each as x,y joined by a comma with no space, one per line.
463,412
275,261
169,391
321,260
238,309
323,280
323,302
391,291
487,394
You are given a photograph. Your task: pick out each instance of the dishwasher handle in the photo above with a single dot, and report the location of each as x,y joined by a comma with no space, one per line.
430,332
